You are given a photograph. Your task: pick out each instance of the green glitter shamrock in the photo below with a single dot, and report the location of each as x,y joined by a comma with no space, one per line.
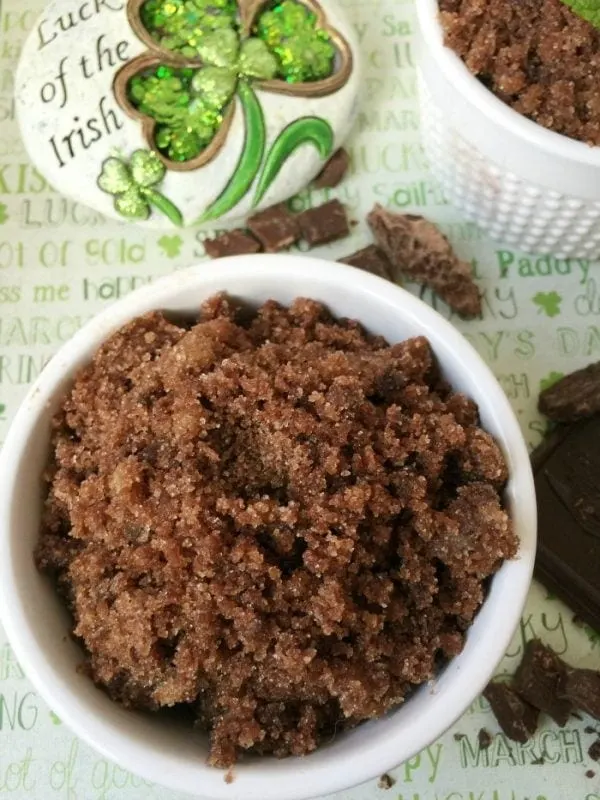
215,50
133,186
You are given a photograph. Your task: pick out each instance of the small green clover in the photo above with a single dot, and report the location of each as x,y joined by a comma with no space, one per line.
550,379
548,302
55,719
133,186
170,245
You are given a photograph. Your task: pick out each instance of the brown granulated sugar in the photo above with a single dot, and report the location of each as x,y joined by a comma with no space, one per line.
273,519
536,55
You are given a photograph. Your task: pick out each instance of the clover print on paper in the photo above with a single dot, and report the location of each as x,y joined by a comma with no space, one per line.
133,186
205,60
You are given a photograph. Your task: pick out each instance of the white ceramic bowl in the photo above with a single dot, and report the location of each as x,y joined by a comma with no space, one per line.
527,186
38,626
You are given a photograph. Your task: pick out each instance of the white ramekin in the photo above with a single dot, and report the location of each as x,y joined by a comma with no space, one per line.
529,187
38,625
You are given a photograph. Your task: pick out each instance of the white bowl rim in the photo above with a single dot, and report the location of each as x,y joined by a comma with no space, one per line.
303,779
463,80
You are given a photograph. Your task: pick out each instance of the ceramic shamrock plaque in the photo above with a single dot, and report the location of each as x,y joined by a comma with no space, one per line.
179,112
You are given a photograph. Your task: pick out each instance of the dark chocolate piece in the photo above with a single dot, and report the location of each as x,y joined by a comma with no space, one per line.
594,750
418,250
539,679
517,718
324,224
581,688
485,739
590,773
573,397
275,228
334,170
386,781
232,243
371,259
567,477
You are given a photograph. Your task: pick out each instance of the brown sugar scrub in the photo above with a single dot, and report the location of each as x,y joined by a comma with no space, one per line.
536,55
274,519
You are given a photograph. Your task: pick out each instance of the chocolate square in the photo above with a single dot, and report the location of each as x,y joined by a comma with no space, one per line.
567,479
275,228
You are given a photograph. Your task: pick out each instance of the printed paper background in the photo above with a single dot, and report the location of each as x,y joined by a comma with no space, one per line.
60,263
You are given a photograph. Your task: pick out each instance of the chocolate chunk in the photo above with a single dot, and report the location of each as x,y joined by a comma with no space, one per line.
567,473
386,781
594,750
324,224
590,773
517,718
573,397
485,739
275,228
581,688
334,170
232,243
538,680
371,259
418,250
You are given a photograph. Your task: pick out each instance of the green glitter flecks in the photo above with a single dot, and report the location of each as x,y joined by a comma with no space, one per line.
256,61
187,106
180,25
305,52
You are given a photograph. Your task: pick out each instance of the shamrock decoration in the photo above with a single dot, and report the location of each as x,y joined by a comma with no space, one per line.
548,303
170,245
207,56
133,186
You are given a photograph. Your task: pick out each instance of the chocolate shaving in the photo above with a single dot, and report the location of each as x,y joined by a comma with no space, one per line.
418,250
581,688
275,228
386,781
573,397
485,739
594,750
334,170
371,259
517,718
232,243
324,224
539,679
